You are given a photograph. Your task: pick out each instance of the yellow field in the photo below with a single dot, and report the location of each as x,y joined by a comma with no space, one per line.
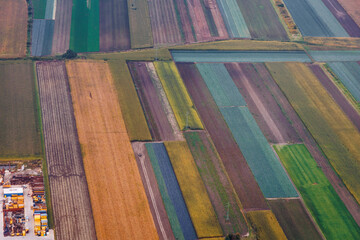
13,28
119,203
335,133
265,224
193,189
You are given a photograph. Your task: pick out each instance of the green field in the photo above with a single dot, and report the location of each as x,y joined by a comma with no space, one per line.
84,34
19,123
325,205
131,109
39,7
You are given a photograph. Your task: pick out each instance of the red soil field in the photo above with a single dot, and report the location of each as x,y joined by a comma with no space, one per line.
235,164
114,25
156,204
311,145
352,7
199,21
336,94
342,16
68,185
61,39
267,113
219,21
164,23
185,21
158,123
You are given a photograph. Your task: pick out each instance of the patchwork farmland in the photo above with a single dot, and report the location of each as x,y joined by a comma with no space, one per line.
180,119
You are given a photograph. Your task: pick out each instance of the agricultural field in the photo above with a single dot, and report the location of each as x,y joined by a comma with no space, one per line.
13,28
62,26
336,56
108,157
352,8
42,37
19,118
73,217
320,197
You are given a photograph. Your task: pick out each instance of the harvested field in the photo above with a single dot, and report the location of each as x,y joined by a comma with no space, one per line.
343,17
84,34
200,24
352,8
265,225
108,157
179,217
235,164
349,75
131,110
294,219
334,132
314,19
73,216
217,183
262,20
50,9
140,31
154,108
114,25
335,56
179,99
337,95
214,19
266,167
219,56
157,208
261,103
184,20
19,118
62,26
13,26
233,18
42,36
164,23
326,207
220,84
39,7
201,211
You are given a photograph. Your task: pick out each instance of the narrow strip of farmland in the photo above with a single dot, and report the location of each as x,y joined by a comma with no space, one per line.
352,7
217,183
116,191
164,24
233,18
214,19
175,206
266,225
314,19
152,192
186,26
294,219
42,36
343,17
193,190
68,186
13,25
349,75
334,132
160,127
326,207
50,9
200,25
261,103
114,25
139,22
62,26
129,102
262,20
239,172
337,95
335,56
179,99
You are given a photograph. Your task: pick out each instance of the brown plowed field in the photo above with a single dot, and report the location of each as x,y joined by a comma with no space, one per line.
61,39
199,21
312,146
152,192
117,195
164,23
263,106
352,7
235,164
68,186
336,94
13,25
219,21
114,25
185,21
158,123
